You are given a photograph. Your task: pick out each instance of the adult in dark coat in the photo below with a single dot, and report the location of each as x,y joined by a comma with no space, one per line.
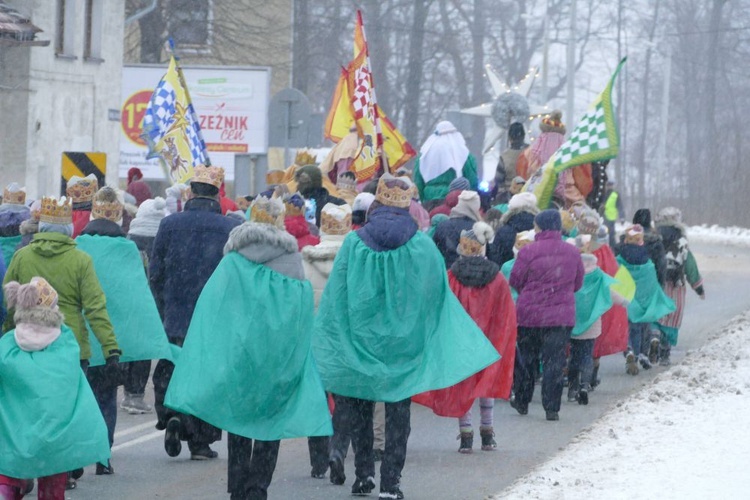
519,217
653,242
462,218
310,185
188,247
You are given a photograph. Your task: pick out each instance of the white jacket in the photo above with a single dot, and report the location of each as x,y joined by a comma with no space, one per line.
318,262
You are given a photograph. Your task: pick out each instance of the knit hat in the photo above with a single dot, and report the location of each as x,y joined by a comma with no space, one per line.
14,194
548,220
522,200
516,132
148,217
473,243
56,212
82,189
213,176
106,205
642,216
34,302
335,219
459,184
267,211
634,235
362,202
134,174
468,205
669,215
589,222
308,178
294,204
553,123
394,191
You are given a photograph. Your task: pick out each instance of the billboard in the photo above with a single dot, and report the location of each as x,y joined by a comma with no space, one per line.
231,103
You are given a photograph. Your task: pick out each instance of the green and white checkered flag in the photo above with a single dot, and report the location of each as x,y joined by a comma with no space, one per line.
595,138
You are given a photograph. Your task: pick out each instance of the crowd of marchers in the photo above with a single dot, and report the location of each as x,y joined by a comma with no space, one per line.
321,308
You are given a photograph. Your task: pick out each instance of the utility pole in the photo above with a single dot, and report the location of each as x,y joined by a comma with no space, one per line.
571,68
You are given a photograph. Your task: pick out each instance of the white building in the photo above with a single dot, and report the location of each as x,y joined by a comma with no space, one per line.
61,97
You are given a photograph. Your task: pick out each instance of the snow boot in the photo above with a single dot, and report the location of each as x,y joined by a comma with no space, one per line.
488,438
645,362
583,395
363,487
337,475
631,366
467,442
653,350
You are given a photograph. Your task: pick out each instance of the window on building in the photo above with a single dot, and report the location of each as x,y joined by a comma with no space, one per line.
190,23
92,49
65,37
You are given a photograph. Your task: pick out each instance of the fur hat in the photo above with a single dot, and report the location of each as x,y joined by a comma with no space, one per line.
14,194
394,191
634,235
34,303
82,189
107,205
459,184
553,123
335,219
267,211
522,200
213,176
548,220
473,243
669,215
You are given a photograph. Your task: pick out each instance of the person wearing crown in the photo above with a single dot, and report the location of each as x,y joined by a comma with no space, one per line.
13,213
188,247
295,222
254,319
60,427
53,255
388,327
81,191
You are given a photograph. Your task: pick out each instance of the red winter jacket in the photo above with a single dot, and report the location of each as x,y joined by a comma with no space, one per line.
296,225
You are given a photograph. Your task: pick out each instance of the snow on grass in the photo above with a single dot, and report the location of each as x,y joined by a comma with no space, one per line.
684,435
725,235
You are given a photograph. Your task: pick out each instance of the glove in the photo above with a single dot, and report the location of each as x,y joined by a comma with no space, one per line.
701,293
112,370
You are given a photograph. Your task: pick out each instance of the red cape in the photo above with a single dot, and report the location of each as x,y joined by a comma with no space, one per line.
493,310
614,337
80,219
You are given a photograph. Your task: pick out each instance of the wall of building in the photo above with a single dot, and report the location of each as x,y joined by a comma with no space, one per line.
70,98
14,102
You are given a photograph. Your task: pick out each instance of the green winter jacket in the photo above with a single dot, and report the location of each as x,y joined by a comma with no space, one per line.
437,188
54,257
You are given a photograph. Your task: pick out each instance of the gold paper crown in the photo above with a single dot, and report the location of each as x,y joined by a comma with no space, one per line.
82,189
47,296
262,208
56,212
107,210
14,197
470,247
208,175
395,196
331,225
304,158
292,210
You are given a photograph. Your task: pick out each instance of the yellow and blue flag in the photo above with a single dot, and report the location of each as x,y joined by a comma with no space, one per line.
171,127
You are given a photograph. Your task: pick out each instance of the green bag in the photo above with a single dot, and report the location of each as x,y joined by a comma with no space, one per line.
650,302
389,327
49,420
592,300
246,365
130,303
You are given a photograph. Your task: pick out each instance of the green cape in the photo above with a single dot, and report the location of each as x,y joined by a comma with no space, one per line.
246,365
389,327
8,246
592,300
130,303
650,302
506,269
49,420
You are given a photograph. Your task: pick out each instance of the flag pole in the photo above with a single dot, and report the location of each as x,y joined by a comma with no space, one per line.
183,82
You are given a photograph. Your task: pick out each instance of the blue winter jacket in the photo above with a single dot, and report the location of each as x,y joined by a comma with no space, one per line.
187,249
387,228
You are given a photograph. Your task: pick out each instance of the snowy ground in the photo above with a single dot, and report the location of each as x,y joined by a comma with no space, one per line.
684,435
737,236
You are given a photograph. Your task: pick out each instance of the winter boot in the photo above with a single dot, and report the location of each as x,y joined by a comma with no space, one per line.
645,362
488,438
467,442
595,380
363,487
172,444
653,350
631,366
337,475
583,395
573,385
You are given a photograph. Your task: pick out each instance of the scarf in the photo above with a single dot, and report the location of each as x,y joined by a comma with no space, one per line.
32,338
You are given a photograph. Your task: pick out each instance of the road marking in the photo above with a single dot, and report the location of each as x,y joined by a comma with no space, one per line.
142,439
134,429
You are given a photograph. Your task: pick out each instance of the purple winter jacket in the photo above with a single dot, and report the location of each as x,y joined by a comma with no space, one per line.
547,273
